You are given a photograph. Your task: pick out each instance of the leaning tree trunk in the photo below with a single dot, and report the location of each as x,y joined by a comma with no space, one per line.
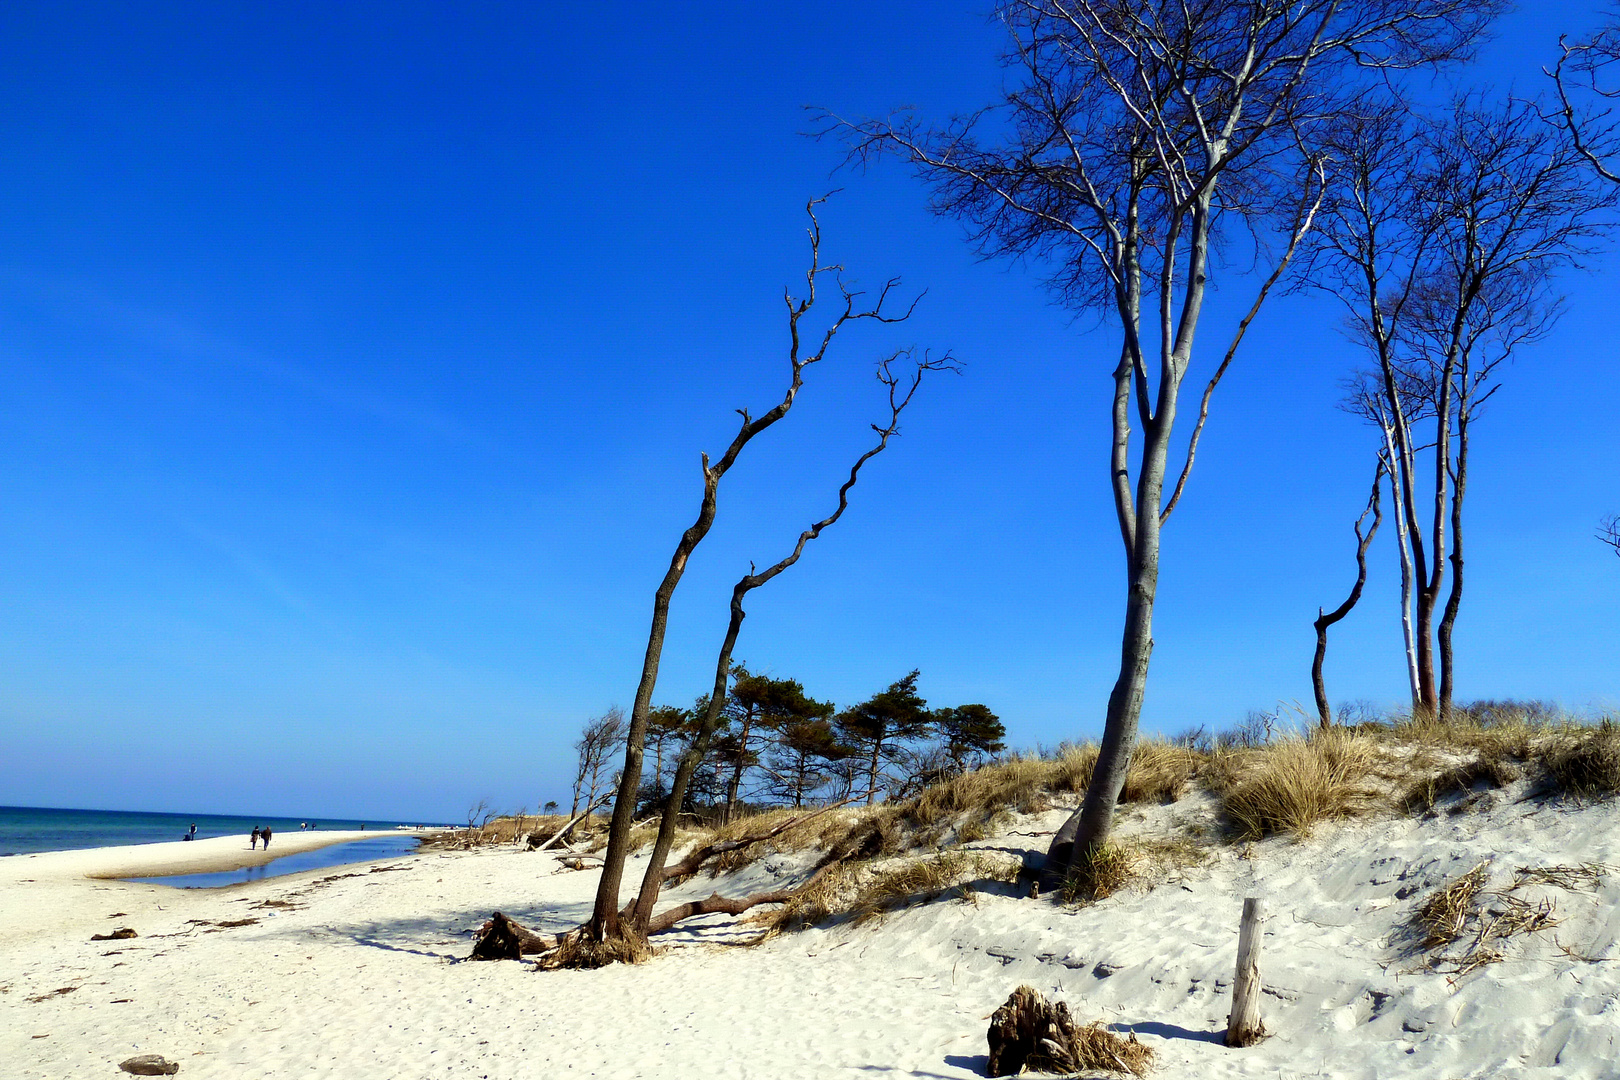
1449,619
1327,619
1089,828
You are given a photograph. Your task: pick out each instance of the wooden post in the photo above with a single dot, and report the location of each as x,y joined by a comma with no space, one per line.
1243,1026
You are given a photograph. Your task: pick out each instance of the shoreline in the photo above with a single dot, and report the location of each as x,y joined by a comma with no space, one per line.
172,857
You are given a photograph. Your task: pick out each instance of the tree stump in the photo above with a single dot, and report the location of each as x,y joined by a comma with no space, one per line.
1029,1032
1243,1026
502,939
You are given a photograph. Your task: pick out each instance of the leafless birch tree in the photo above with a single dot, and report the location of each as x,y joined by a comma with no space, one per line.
1133,137
1442,237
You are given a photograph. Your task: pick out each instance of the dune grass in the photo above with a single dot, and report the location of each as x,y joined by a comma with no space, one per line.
1296,783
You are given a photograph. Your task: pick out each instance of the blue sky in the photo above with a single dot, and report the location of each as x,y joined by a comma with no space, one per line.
357,360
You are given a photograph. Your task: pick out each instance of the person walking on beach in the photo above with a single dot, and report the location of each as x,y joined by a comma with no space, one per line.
253,841
264,833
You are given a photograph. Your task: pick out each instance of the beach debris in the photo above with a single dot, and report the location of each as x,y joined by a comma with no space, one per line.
500,938
1030,1033
58,992
150,1065
117,935
1460,924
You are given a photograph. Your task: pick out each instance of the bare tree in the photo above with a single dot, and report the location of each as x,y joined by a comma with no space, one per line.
1136,135
1587,76
1609,532
601,738
605,920
633,924
1325,619
1442,238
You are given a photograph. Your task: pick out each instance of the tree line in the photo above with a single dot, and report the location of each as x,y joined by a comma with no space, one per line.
776,745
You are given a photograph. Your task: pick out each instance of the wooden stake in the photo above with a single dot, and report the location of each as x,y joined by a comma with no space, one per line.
1243,1027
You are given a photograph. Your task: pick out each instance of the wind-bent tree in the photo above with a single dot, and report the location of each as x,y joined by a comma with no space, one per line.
969,734
1325,619
605,921
805,747
1443,242
1133,136
758,709
877,725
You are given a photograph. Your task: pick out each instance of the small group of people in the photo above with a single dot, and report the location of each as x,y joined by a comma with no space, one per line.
302,825
261,833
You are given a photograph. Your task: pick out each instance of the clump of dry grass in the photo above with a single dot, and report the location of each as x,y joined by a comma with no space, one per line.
1121,864
1160,771
1584,763
1296,783
1446,914
863,892
1098,1048
1461,779
1022,784
1100,872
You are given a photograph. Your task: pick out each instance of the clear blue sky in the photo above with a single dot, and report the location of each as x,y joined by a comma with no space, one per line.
356,362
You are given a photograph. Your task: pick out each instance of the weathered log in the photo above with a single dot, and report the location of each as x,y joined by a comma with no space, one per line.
150,1065
562,832
503,939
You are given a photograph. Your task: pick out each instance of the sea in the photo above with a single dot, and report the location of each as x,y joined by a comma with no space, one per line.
25,830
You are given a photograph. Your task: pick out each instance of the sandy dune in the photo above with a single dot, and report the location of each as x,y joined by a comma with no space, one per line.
357,977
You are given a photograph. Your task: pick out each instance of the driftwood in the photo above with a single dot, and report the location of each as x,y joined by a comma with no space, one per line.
1031,1033
500,938
122,933
149,1065
562,832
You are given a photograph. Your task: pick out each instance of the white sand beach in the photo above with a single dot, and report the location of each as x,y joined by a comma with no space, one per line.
352,972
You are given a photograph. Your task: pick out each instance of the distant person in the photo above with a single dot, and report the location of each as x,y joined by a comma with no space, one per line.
313,826
265,834
253,841
192,835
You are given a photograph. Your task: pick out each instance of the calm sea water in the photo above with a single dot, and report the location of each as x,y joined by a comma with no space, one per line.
25,829
383,846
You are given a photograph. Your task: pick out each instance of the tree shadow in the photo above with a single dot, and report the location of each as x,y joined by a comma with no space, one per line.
1171,1031
974,1063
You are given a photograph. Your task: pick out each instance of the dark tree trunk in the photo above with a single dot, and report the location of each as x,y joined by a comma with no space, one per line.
1325,620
